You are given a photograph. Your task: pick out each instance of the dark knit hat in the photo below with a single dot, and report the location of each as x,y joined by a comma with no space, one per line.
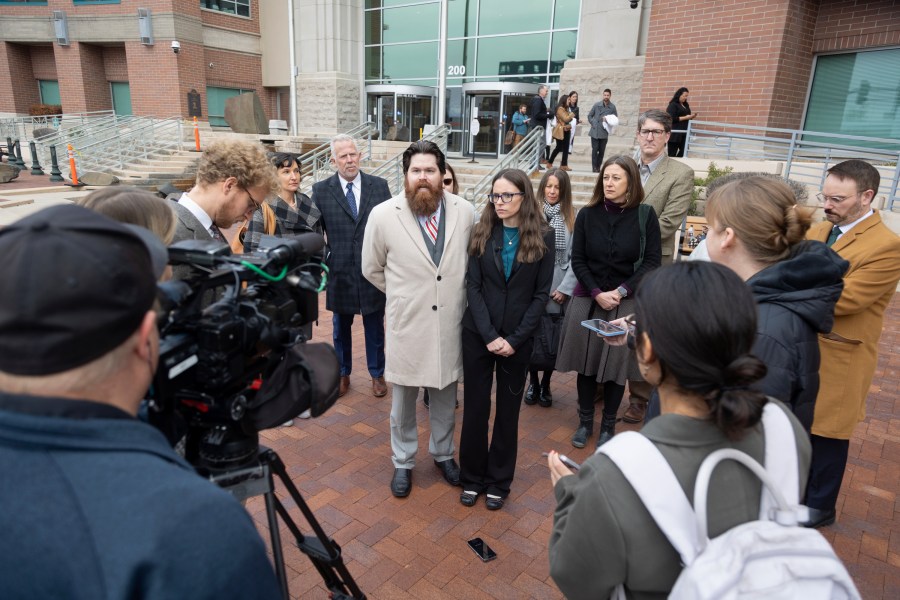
75,285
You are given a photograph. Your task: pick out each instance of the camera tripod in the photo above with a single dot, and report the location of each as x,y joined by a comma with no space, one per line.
256,479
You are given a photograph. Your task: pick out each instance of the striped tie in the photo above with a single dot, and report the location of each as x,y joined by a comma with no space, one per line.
431,226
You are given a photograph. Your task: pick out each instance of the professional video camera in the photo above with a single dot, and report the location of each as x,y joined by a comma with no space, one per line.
232,358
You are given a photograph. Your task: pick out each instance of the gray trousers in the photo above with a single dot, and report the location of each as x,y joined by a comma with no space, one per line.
404,433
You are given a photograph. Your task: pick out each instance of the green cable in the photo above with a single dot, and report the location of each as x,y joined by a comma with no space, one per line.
324,278
263,274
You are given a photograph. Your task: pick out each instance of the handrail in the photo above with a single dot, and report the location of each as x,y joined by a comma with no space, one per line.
315,165
392,170
142,138
525,156
18,127
81,136
807,155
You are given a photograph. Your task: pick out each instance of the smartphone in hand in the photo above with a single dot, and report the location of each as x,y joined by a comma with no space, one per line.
483,551
602,327
566,461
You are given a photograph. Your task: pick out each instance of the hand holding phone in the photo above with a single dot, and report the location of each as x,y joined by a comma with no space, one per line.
483,551
602,327
565,460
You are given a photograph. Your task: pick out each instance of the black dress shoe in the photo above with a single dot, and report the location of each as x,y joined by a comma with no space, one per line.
493,503
529,394
450,470
468,499
546,398
401,484
819,518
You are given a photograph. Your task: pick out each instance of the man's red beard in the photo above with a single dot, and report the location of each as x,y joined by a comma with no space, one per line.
423,199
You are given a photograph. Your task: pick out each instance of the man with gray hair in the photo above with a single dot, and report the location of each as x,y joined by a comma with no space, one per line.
668,185
539,116
345,200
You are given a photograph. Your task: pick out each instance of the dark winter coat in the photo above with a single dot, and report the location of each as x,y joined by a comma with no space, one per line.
795,300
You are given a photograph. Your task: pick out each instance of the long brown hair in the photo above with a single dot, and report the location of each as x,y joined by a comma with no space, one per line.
565,195
634,195
532,223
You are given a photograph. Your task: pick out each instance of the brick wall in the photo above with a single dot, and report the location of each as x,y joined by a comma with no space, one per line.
750,62
82,78
43,63
851,24
115,63
233,70
17,79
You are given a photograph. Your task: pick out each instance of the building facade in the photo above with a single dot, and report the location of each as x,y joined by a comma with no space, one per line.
828,65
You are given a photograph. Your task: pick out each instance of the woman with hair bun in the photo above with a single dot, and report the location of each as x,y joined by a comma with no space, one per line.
757,230
693,330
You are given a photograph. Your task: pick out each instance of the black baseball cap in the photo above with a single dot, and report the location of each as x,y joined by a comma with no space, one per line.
76,285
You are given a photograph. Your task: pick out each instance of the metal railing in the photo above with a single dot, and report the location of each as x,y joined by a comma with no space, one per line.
392,170
80,135
22,128
525,156
807,155
139,138
315,165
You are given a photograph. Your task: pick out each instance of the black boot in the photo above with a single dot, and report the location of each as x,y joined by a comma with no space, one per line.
607,429
530,394
585,428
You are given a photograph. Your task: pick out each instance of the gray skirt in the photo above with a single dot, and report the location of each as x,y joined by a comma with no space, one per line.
583,351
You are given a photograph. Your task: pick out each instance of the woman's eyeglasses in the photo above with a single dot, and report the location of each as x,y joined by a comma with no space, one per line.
505,197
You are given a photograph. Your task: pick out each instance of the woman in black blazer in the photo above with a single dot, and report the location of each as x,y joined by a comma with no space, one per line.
507,286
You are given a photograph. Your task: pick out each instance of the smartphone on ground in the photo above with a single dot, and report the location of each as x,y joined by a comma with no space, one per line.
483,551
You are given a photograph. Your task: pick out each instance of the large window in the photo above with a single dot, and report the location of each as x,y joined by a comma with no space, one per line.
856,94
232,7
49,89
510,40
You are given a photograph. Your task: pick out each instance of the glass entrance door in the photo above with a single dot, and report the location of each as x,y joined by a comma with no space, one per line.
381,112
485,109
400,112
413,112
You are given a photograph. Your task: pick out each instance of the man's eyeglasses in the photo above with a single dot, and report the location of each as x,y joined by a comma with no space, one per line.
505,197
448,181
253,203
651,132
822,198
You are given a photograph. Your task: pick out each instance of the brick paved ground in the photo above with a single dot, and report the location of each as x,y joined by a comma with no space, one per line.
416,547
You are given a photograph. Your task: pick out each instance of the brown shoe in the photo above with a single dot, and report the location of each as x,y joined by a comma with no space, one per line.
345,385
379,387
546,163
635,413
565,168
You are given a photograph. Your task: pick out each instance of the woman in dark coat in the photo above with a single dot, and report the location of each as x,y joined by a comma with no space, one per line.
611,251
507,285
680,111
757,229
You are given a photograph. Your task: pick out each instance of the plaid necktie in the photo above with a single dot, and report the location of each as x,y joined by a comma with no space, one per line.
431,227
216,233
351,200
833,236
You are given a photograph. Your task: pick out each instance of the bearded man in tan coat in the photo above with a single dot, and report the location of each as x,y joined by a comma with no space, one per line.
850,352
415,251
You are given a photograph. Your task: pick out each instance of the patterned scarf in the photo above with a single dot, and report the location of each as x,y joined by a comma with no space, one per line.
559,226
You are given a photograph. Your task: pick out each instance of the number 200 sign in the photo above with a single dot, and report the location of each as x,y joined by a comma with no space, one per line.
457,70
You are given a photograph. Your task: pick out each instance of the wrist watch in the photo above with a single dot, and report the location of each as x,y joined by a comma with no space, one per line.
623,292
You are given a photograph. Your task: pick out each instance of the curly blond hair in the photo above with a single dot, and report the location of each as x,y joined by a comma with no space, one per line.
245,161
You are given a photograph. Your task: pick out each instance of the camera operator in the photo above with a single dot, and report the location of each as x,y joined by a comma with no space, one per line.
233,178
97,502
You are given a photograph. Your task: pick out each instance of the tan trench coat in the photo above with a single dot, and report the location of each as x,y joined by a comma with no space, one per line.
425,302
850,351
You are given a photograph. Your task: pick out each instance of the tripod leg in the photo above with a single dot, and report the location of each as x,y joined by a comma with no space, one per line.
324,552
275,536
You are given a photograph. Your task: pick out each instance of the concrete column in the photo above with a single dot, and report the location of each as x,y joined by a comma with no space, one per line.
330,61
611,44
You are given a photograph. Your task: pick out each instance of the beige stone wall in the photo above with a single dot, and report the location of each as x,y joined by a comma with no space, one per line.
327,102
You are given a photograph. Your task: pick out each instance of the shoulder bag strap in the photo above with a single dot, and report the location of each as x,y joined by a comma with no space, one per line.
645,468
268,219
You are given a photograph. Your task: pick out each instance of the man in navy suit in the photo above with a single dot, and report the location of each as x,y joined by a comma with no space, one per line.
345,200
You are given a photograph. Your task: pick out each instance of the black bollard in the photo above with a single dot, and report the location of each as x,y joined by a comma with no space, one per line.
55,173
20,162
10,155
35,165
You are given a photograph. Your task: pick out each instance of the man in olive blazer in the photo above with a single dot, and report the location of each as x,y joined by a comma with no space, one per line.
850,352
668,185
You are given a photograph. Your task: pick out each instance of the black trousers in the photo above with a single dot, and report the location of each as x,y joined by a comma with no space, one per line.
826,471
562,146
598,149
484,468
676,143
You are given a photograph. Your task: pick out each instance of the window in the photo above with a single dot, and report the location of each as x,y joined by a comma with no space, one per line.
49,89
240,8
35,2
856,94
215,102
77,2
